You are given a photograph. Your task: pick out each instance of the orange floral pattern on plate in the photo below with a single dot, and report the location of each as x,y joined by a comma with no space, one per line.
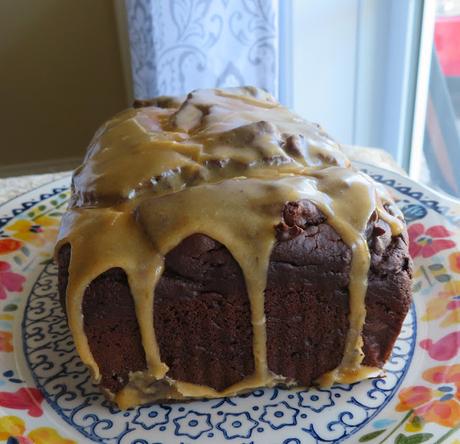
37,232
439,402
9,245
13,426
444,305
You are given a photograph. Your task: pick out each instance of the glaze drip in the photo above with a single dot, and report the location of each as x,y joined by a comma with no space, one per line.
154,176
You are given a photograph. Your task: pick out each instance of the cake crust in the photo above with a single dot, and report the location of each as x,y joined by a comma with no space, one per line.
202,309
219,243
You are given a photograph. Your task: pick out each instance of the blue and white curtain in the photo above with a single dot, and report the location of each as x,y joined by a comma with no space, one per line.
180,45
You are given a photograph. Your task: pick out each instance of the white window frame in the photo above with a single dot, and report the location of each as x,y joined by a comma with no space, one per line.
422,87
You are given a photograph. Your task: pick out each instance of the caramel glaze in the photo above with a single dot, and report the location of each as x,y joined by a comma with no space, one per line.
155,175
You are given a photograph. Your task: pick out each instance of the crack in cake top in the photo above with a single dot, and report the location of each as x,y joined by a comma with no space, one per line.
214,134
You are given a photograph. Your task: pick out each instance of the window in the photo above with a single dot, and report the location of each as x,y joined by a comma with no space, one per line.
436,159
384,74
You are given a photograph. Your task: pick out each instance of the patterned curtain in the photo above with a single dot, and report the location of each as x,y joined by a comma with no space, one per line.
180,45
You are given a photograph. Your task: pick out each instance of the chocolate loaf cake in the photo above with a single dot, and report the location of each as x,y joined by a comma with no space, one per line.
223,244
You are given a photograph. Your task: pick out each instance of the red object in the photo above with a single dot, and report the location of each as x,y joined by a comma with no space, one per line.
427,243
447,43
445,348
26,398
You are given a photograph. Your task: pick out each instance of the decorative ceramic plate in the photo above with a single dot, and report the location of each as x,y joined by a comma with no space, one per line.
46,396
